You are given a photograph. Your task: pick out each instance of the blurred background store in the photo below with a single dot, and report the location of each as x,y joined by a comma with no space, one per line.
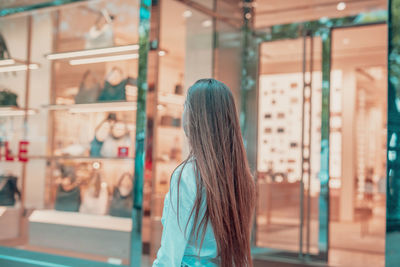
91,101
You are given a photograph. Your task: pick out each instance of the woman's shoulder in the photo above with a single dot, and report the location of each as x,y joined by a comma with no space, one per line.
185,175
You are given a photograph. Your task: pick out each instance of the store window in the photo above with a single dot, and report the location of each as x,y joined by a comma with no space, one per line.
358,144
67,127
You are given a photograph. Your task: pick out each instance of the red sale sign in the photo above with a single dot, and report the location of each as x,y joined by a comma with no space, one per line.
22,151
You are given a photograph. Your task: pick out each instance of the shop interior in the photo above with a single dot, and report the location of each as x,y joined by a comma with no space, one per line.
358,112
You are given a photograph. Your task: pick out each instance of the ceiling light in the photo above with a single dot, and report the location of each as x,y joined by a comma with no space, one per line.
19,68
341,6
4,62
346,41
161,53
187,14
93,52
102,59
96,165
206,23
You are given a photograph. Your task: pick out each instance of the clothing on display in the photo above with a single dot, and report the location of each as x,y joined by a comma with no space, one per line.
121,203
8,190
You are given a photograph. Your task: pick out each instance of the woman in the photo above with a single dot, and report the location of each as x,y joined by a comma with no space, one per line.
208,210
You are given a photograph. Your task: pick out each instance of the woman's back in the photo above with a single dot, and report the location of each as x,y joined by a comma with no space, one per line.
178,246
212,195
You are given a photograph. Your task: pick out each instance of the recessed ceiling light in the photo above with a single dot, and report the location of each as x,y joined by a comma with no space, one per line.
187,14
346,41
161,53
341,6
206,23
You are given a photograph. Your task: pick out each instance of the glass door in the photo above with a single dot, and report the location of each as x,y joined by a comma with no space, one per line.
289,146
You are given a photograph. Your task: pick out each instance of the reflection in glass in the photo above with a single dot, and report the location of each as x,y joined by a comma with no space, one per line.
358,111
279,159
186,37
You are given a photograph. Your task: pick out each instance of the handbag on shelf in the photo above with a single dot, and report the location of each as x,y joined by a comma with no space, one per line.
121,204
68,200
95,147
113,92
88,94
8,98
101,36
4,53
95,198
8,190
112,143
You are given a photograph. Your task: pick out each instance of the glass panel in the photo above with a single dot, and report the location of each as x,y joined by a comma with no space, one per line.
270,12
358,145
76,178
279,160
186,42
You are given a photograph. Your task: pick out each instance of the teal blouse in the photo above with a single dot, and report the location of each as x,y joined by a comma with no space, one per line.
178,248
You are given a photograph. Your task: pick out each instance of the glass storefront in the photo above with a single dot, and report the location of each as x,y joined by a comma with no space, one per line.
91,101
68,121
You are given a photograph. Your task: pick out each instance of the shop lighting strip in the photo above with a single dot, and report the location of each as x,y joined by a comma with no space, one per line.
102,59
92,52
19,67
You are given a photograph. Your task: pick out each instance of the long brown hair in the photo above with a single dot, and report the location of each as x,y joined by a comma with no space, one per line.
212,126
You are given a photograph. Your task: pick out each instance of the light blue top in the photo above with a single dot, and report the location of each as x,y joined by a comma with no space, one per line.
178,248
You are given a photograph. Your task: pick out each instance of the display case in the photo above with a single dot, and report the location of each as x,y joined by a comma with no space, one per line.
68,97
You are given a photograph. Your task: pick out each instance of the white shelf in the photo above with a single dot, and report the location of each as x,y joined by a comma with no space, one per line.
164,98
95,107
81,220
66,157
7,111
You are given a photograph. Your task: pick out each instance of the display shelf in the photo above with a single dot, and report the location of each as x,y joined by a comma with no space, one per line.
13,64
123,50
7,111
79,158
95,107
174,99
